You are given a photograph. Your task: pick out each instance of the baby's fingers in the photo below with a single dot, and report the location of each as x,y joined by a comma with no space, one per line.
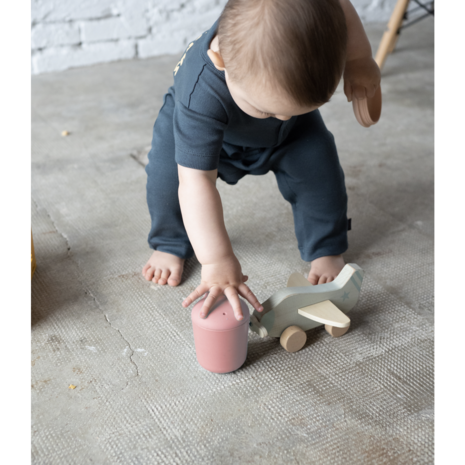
348,90
231,294
359,92
214,293
245,292
371,90
194,295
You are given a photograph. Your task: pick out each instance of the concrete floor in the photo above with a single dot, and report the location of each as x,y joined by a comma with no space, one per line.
127,345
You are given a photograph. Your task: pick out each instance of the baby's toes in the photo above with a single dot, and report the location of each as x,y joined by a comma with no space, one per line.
175,276
164,277
323,279
148,272
313,279
156,275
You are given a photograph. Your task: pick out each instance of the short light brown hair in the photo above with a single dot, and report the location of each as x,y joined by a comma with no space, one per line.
298,46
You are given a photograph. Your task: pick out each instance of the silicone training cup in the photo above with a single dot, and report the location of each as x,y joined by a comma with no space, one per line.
368,110
220,340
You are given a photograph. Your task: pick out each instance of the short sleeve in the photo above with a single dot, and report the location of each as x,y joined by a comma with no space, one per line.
198,138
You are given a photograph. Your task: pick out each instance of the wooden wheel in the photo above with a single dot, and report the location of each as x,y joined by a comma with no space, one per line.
293,338
336,332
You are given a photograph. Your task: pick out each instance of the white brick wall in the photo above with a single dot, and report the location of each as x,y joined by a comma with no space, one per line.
69,33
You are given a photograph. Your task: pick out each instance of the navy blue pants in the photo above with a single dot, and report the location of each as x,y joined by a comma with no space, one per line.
307,169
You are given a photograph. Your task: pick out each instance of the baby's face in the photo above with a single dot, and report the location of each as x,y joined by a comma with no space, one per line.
262,102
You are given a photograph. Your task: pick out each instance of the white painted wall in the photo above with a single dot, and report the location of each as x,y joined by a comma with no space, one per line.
69,33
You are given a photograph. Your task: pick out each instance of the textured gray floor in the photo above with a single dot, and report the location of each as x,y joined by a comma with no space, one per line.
127,346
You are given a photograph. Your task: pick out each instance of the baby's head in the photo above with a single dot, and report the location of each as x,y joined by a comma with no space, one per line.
281,57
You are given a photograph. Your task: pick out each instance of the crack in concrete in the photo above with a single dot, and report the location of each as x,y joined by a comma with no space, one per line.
68,246
140,155
87,291
134,157
120,333
126,341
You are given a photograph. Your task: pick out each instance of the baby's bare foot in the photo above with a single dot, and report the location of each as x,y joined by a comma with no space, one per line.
163,268
325,269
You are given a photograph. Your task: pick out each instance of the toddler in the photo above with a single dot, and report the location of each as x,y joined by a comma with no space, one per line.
245,100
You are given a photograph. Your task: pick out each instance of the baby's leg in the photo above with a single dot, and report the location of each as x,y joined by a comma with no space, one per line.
167,235
310,177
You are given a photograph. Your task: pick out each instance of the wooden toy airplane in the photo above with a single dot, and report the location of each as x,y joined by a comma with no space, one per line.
291,311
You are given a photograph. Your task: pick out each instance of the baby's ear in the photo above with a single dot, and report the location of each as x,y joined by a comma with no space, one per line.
217,60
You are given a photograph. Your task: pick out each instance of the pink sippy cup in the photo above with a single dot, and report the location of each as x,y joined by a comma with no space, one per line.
220,339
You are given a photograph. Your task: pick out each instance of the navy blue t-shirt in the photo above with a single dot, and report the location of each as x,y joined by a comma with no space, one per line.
205,114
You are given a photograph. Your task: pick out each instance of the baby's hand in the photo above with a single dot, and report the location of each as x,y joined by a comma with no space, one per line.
224,277
361,78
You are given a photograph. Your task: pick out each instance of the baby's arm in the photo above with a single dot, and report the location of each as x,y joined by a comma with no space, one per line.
361,74
202,213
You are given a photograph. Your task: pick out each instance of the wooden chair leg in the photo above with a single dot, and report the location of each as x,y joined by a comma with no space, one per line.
393,44
390,36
